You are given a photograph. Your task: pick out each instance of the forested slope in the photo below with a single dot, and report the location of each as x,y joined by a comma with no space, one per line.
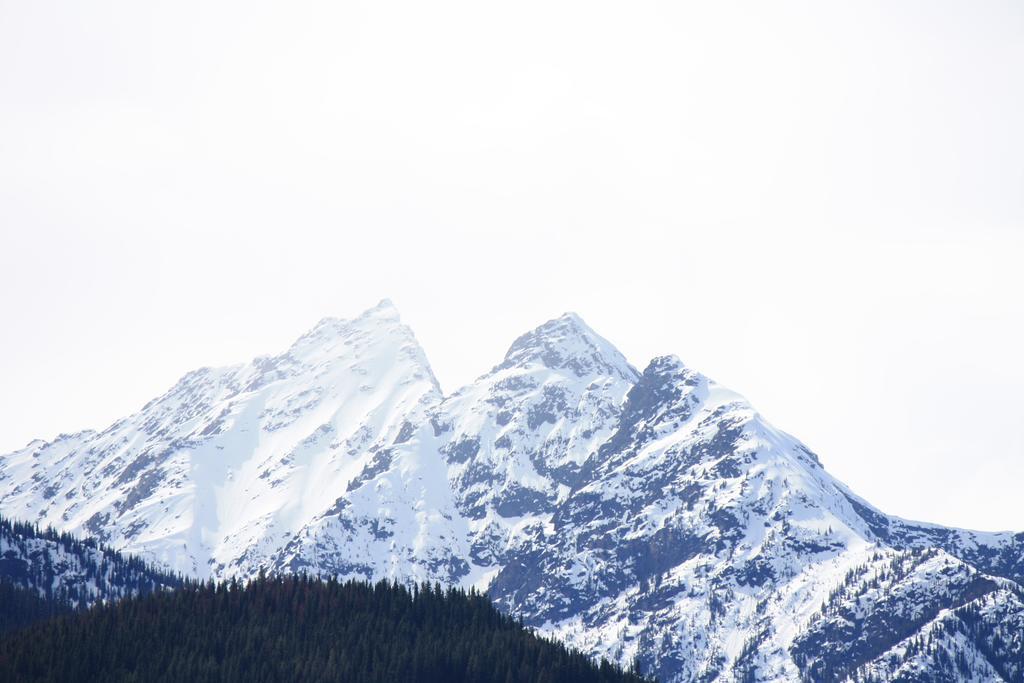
296,628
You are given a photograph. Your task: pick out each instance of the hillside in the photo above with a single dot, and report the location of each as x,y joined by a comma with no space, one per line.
296,628
68,572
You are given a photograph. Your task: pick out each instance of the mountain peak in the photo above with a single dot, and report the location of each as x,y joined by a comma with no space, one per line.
665,365
376,332
384,314
566,342
385,308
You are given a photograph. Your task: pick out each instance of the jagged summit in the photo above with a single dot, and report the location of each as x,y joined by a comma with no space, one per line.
384,304
377,332
568,343
384,312
382,318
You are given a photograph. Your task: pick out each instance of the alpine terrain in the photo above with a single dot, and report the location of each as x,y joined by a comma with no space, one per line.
632,514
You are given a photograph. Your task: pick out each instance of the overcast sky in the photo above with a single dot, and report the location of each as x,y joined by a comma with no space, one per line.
818,204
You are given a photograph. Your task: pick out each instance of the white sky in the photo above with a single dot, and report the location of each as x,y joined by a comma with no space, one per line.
819,204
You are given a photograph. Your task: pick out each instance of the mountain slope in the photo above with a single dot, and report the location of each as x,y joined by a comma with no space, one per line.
652,514
705,542
890,616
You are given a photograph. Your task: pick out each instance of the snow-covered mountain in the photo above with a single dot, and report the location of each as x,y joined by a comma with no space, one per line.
651,514
223,470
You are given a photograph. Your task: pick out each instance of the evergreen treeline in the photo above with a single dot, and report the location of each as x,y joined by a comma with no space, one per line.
296,629
66,570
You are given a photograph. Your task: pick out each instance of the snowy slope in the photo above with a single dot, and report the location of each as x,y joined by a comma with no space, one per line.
651,514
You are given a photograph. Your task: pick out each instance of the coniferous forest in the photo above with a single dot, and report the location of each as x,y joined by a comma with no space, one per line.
292,629
20,607
70,572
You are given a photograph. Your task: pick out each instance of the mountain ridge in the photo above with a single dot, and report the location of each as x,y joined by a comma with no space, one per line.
647,513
